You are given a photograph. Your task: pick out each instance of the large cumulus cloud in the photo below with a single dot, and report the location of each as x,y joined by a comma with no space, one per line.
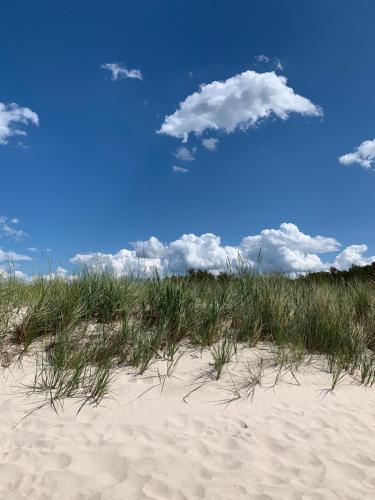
237,103
286,249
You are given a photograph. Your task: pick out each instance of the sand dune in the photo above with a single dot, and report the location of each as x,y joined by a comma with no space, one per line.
286,443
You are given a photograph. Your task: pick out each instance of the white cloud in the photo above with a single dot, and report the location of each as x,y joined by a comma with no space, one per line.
9,256
119,71
237,103
197,252
179,170
59,273
150,249
364,155
210,143
289,235
185,154
124,262
11,115
286,249
262,58
7,272
352,255
8,230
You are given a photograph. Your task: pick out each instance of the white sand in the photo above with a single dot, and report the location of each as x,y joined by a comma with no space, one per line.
286,444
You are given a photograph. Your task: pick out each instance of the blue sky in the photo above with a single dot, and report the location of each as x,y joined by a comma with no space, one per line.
94,175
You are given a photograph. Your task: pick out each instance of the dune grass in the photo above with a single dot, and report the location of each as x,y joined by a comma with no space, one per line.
82,330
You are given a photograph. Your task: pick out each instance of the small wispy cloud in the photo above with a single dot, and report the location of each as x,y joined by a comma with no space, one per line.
119,71
278,64
262,58
210,143
35,249
364,155
185,154
12,114
179,170
8,230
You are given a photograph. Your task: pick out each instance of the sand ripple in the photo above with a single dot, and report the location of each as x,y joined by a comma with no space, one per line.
288,444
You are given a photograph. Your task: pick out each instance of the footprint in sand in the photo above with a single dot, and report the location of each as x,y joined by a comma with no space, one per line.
156,490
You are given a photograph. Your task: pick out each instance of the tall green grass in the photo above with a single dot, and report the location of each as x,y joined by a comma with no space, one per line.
83,329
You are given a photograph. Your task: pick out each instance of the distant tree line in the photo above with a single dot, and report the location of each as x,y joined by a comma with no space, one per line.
354,273
197,275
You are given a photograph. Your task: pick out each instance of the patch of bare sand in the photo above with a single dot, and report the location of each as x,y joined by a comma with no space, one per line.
284,443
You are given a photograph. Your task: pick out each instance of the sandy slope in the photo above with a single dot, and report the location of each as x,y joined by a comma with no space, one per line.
286,444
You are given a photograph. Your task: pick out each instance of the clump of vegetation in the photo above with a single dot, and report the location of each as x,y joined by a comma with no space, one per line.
222,353
83,329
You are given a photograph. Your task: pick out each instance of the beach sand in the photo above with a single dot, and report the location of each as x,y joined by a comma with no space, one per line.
289,442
